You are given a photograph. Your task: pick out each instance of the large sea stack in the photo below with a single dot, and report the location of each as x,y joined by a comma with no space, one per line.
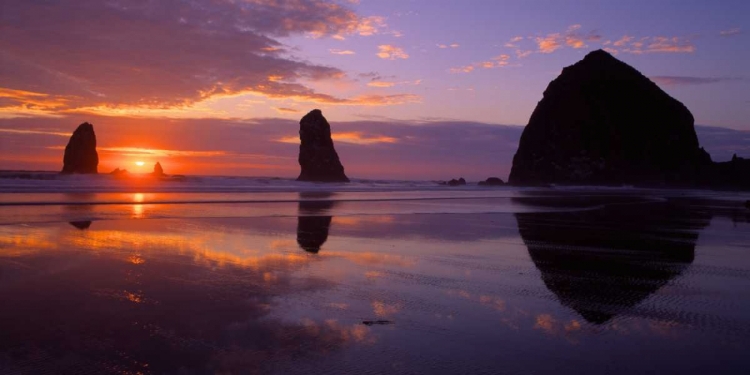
601,122
317,157
80,153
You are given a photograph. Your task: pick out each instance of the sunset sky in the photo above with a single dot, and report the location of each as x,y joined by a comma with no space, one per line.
439,88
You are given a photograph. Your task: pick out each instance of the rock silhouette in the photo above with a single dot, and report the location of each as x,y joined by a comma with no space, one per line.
733,174
454,182
492,181
158,170
80,153
317,157
119,172
602,122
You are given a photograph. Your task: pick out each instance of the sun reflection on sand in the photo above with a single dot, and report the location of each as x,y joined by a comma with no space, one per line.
162,283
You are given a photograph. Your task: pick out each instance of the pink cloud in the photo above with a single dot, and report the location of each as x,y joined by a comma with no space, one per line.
391,52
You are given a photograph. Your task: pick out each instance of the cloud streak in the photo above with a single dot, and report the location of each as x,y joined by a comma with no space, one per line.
687,80
731,32
354,137
648,44
495,62
341,51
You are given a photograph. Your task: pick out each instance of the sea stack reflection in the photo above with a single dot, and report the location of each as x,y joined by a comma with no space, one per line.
313,220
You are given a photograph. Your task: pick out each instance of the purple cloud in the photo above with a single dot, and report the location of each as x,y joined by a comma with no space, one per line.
687,80
160,54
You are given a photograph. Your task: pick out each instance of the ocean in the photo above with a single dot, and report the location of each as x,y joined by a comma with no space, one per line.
236,275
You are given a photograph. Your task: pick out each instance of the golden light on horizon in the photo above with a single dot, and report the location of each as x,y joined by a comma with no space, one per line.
140,163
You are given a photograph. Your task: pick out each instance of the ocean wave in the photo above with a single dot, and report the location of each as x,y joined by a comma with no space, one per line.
50,182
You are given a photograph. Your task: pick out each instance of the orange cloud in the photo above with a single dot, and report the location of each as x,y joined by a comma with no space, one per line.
575,42
381,84
390,52
341,52
571,38
286,110
43,132
672,45
357,138
549,43
512,43
138,151
370,25
21,103
360,139
495,62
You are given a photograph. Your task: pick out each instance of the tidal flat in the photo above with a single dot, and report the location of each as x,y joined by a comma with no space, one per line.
485,282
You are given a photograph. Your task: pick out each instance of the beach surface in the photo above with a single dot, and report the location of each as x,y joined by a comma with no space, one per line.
235,276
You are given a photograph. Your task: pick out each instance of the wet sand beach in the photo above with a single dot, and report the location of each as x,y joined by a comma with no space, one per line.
517,282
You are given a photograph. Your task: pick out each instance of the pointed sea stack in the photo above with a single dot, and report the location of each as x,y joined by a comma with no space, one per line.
80,153
158,170
601,122
317,157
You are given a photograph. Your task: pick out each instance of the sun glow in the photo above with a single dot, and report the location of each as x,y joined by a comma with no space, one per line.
140,163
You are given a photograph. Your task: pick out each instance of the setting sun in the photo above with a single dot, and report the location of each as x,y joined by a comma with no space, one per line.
140,163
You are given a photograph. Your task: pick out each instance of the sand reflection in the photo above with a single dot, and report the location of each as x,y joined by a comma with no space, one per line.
144,296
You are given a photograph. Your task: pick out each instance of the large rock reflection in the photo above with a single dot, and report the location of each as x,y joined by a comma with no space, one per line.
312,222
601,262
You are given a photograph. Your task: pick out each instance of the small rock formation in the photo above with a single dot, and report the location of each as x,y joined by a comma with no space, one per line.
119,172
602,122
454,182
317,157
492,181
733,174
80,153
158,170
